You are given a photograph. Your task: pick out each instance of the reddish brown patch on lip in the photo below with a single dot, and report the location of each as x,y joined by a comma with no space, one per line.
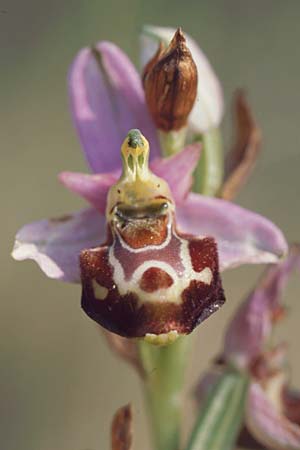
203,254
144,232
127,316
154,279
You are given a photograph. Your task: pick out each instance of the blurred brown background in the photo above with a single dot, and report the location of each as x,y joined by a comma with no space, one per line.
59,383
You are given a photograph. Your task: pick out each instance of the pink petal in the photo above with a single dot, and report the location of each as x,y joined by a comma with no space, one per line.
208,109
178,170
242,236
267,425
93,188
107,100
252,324
55,244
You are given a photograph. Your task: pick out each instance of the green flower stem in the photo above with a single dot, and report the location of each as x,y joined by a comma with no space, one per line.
208,176
172,142
221,414
164,368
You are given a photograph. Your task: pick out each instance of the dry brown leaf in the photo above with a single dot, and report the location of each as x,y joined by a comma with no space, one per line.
121,429
241,159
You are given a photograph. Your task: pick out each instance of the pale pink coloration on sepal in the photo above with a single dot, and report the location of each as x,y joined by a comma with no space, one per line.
252,324
208,108
176,170
55,244
93,188
107,99
268,425
242,235
198,215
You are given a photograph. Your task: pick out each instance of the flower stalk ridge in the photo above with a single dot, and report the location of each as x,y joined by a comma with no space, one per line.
148,280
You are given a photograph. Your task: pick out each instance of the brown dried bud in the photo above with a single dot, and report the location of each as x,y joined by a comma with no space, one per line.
151,63
170,83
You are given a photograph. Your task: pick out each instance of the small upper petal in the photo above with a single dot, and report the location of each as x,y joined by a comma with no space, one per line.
93,188
208,108
55,244
177,170
107,100
252,324
242,235
268,425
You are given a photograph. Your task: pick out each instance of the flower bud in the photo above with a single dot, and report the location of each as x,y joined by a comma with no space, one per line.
209,105
170,83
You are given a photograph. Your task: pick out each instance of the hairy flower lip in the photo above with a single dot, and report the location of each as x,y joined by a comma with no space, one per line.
125,316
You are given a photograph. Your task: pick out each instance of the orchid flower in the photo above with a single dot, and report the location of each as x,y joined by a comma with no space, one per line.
272,413
107,99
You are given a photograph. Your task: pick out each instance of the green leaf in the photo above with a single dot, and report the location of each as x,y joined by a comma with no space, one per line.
221,415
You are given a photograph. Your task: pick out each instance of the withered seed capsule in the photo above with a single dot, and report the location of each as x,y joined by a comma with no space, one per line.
170,83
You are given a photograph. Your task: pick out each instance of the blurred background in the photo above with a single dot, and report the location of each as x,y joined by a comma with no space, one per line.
60,385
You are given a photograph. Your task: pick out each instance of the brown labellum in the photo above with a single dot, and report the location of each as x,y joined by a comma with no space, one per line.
156,289
170,83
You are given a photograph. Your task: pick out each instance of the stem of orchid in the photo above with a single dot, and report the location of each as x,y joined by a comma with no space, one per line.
221,414
208,176
164,368
172,142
